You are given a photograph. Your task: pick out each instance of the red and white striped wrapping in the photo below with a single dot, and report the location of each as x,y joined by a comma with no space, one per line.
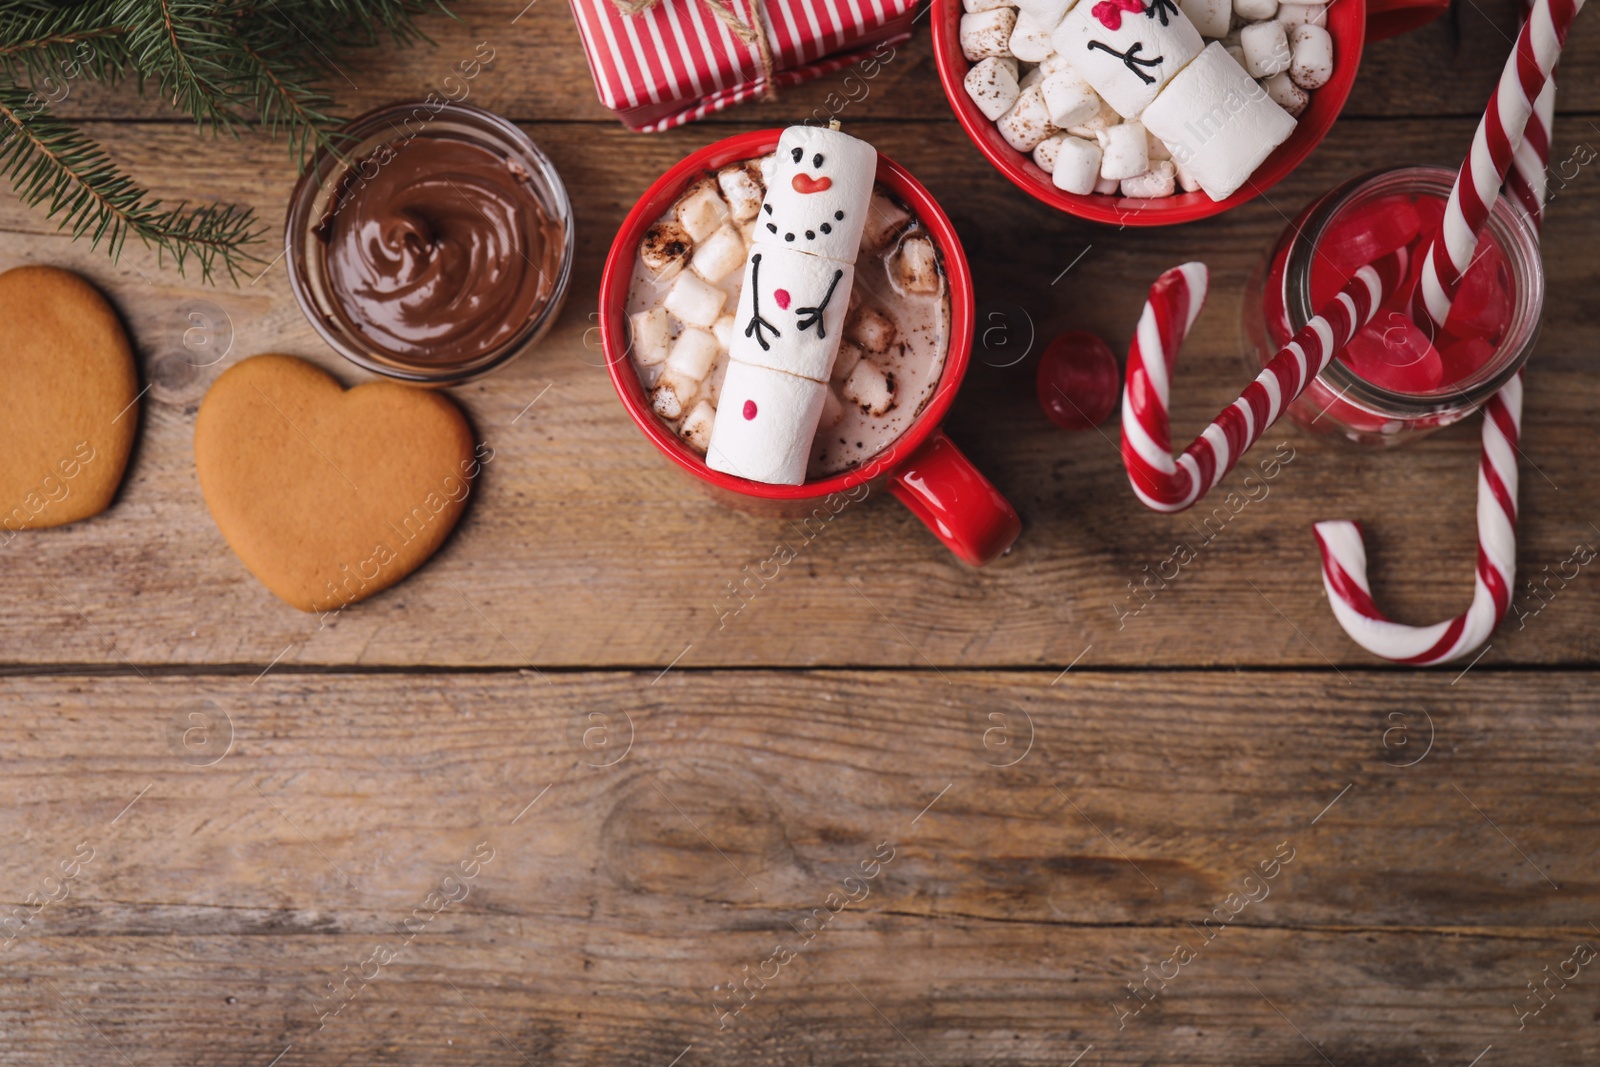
1175,300
677,61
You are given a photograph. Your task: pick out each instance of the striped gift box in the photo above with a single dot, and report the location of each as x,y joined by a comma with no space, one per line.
676,61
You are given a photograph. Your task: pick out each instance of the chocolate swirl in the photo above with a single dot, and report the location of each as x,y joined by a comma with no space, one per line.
438,250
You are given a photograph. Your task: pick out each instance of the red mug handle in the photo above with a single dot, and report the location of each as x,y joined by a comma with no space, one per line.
1390,18
945,491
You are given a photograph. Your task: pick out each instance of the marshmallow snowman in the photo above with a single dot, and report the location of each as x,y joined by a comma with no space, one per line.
1128,50
792,305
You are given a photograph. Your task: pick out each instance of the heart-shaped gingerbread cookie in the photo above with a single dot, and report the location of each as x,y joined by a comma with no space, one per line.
330,496
68,388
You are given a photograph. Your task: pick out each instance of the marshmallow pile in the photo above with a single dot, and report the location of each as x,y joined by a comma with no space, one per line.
776,238
1128,96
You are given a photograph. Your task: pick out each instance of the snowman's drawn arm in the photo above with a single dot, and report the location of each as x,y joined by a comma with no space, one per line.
757,324
812,316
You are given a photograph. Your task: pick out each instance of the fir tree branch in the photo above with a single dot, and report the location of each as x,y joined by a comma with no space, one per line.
287,99
189,48
50,163
51,42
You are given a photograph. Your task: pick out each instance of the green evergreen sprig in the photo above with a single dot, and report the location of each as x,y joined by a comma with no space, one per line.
227,64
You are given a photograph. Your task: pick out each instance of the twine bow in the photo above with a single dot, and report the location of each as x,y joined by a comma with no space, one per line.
753,32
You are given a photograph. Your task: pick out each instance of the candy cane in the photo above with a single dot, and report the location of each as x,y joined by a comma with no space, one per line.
1175,300
1493,145
1344,556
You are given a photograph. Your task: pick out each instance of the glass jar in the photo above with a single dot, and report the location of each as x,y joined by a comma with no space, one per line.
525,199
1339,402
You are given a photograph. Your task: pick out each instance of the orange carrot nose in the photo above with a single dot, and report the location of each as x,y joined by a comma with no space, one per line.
806,184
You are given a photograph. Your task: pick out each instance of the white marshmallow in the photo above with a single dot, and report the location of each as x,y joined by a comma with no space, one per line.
1010,63
1210,17
652,335
1255,10
869,388
766,421
1106,186
1077,166
1154,148
1044,153
1047,13
1218,123
1311,62
672,394
1128,65
1104,118
1054,63
692,354
845,362
719,255
832,409
1069,99
1286,94
1123,151
987,33
1236,53
1028,121
1266,48
1294,16
817,199
666,248
712,386
971,6
992,87
1159,180
1030,42
785,289
871,330
696,426
914,267
694,300
1186,181
886,217
741,186
701,209
722,330
1033,77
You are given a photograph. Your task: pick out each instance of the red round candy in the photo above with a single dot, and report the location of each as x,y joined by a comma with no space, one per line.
1078,381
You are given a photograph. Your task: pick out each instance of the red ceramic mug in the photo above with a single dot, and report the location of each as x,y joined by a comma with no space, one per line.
922,468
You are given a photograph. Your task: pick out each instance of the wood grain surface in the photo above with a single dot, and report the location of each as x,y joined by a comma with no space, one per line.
270,818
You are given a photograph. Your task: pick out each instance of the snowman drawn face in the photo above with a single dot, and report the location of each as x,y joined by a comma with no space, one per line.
818,194
807,186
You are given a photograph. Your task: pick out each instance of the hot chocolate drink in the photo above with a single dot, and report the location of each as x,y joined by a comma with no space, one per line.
686,289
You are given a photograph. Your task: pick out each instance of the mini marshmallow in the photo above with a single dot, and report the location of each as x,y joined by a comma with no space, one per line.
1159,180
871,329
1069,99
1030,42
672,394
712,386
1077,166
1311,62
1210,17
741,186
973,6
987,33
1032,77
1010,63
765,423
1235,53
1293,16
1047,13
914,267
1154,148
692,354
1286,94
694,300
885,219
791,312
1106,186
719,255
1054,63
1218,123
845,362
665,249
869,388
1129,64
1255,10
1266,48
1044,153
652,335
722,330
1186,181
1028,121
696,426
992,87
1103,119
701,210
1124,153
817,199
832,409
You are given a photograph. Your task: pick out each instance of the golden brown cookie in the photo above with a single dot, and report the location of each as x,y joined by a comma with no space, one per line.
330,496
68,388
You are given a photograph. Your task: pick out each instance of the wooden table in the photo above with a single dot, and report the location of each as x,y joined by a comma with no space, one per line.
1049,795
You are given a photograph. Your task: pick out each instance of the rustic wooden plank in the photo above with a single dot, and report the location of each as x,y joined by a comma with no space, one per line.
540,74
585,549
651,838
